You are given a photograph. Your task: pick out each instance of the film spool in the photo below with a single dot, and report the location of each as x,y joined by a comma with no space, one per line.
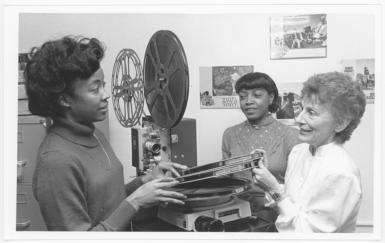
166,79
127,88
211,192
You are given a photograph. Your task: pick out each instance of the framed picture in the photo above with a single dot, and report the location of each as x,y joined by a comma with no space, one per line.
298,36
362,71
217,86
289,101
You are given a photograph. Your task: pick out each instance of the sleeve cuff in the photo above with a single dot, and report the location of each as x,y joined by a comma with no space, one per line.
121,217
133,185
287,208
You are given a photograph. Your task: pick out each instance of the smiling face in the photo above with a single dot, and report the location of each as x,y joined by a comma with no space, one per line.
255,103
317,124
88,103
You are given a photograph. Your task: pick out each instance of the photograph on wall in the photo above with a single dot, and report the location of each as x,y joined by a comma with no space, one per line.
299,36
289,101
217,86
362,71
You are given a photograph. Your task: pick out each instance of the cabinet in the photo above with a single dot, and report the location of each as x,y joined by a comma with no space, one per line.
30,133
27,210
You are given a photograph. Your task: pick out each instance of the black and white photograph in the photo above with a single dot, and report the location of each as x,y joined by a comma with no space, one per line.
299,36
290,105
197,122
363,72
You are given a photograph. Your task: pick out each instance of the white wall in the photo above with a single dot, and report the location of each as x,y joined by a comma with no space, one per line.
213,40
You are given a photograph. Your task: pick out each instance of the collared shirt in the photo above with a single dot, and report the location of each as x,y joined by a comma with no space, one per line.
323,191
78,181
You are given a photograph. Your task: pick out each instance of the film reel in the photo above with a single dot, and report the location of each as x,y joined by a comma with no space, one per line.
198,174
166,79
127,88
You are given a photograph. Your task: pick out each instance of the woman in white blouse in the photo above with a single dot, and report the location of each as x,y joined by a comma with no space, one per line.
322,190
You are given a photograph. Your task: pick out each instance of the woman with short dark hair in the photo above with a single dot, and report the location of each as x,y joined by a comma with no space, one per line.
259,99
322,189
78,181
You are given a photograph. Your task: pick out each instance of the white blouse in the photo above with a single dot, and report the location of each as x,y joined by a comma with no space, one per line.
323,191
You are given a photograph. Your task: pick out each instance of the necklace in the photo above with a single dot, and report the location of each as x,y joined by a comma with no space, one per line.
105,152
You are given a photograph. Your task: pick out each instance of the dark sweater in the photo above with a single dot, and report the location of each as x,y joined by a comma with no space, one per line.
77,185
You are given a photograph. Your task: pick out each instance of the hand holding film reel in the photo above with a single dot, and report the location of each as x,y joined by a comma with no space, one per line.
265,179
164,169
154,192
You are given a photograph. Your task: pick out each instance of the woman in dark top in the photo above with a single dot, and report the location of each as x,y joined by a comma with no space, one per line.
258,97
78,180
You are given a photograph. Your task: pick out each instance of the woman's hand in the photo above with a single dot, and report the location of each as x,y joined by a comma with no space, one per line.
155,192
264,179
164,169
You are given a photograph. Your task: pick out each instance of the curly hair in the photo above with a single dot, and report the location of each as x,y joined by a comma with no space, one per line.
344,97
53,68
258,80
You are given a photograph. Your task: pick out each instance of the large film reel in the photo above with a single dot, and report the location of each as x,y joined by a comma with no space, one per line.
210,192
166,79
127,88
206,186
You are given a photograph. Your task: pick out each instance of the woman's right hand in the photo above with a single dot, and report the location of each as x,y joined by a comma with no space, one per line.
155,192
265,179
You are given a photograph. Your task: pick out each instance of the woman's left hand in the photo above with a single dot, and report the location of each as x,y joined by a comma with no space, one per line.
164,169
264,179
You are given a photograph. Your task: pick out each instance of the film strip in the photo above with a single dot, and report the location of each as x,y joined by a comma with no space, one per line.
221,168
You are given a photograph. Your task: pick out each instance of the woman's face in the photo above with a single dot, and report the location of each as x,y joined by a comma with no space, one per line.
255,103
88,103
316,123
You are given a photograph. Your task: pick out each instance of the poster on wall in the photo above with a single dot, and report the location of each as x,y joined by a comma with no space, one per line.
217,86
298,36
362,71
289,101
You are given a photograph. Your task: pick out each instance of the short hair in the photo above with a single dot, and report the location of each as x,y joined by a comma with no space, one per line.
258,80
53,68
344,97
290,96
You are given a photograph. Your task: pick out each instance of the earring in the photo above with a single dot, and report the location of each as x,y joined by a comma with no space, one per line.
63,102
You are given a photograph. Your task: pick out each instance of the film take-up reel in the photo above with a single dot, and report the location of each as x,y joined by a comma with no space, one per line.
166,79
164,83
166,136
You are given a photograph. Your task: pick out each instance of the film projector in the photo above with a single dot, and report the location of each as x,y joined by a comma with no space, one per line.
164,135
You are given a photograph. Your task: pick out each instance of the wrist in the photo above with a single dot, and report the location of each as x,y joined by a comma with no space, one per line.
133,202
146,178
278,193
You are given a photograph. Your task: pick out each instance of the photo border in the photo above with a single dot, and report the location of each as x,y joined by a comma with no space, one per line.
9,127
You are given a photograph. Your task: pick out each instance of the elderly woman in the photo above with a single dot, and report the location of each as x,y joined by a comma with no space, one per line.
78,180
322,189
